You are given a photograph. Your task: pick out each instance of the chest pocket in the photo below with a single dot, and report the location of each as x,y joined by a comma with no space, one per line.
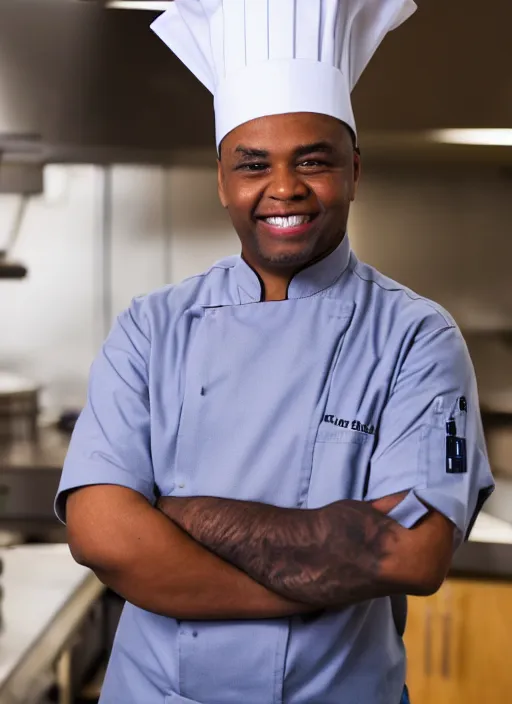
340,462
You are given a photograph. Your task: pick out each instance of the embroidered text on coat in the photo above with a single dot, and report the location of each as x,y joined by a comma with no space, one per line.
353,425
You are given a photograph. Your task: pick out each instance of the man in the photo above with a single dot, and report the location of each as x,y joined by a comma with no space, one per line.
274,452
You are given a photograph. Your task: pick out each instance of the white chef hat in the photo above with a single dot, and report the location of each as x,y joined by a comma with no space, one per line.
270,57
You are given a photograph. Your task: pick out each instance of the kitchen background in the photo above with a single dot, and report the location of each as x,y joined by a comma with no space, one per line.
99,236
108,190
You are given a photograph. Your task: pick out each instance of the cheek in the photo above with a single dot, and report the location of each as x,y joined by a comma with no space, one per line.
333,196
242,201
240,215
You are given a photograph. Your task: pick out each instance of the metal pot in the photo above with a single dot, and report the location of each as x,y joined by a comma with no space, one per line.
19,408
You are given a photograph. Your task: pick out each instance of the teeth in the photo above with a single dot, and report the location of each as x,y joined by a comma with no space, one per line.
292,221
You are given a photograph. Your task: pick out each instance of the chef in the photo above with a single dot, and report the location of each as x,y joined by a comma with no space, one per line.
277,450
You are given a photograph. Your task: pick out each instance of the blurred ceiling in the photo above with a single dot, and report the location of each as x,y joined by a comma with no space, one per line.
98,85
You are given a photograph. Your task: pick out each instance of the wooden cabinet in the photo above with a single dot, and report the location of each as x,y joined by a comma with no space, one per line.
458,644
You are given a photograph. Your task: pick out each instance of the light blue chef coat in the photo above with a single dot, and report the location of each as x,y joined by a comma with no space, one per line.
342,391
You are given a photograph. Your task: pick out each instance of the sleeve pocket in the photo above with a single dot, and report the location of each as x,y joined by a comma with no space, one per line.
445,492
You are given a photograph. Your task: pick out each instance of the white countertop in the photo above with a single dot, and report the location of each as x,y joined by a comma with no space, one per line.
45,594
488,529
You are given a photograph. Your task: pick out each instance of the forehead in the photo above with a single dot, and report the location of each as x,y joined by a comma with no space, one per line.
284,133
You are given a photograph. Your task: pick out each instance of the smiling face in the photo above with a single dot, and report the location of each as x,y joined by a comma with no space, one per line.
287,182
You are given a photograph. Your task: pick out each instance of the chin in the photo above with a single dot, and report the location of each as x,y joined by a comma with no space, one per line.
287,260
286,257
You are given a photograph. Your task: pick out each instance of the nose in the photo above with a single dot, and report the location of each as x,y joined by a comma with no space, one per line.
286,185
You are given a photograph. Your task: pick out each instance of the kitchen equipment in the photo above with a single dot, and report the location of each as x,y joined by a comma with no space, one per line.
54,628
21,173
29,478
19,408
10,269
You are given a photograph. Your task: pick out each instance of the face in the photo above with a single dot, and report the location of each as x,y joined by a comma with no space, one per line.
287,182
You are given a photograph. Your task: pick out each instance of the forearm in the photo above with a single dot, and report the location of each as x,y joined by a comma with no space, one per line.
153,564
330,557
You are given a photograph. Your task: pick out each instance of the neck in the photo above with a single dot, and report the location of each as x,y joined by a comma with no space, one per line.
275,283
275,286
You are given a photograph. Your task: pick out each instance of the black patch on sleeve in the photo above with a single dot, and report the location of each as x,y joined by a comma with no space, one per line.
456,455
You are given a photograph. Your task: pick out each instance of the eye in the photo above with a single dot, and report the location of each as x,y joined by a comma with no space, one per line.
313,164
255,167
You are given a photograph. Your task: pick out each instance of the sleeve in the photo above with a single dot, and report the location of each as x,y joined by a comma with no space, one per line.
430,438
111,440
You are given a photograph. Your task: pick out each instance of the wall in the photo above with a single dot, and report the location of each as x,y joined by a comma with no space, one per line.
444,234
447,234
49,322
80,277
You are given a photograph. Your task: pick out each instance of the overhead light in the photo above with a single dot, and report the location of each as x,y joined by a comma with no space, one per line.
476,137
137,5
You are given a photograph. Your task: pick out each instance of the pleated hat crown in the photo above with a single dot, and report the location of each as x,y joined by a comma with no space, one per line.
270,57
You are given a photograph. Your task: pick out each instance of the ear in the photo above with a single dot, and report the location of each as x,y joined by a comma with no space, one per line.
357,174
220,185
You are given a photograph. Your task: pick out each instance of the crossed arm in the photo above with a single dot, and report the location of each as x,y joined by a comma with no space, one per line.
147,559
343,553
223,559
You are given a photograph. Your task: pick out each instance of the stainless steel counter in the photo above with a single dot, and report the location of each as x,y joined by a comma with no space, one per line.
491,558
29,477
45,454
47,597
488,553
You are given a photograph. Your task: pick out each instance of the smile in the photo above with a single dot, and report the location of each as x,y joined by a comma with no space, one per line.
289,221
287,225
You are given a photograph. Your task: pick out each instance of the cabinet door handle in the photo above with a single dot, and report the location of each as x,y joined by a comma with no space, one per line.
445,657
428,641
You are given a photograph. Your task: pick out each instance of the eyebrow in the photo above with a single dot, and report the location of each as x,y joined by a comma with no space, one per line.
302,150
315,148
248,153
